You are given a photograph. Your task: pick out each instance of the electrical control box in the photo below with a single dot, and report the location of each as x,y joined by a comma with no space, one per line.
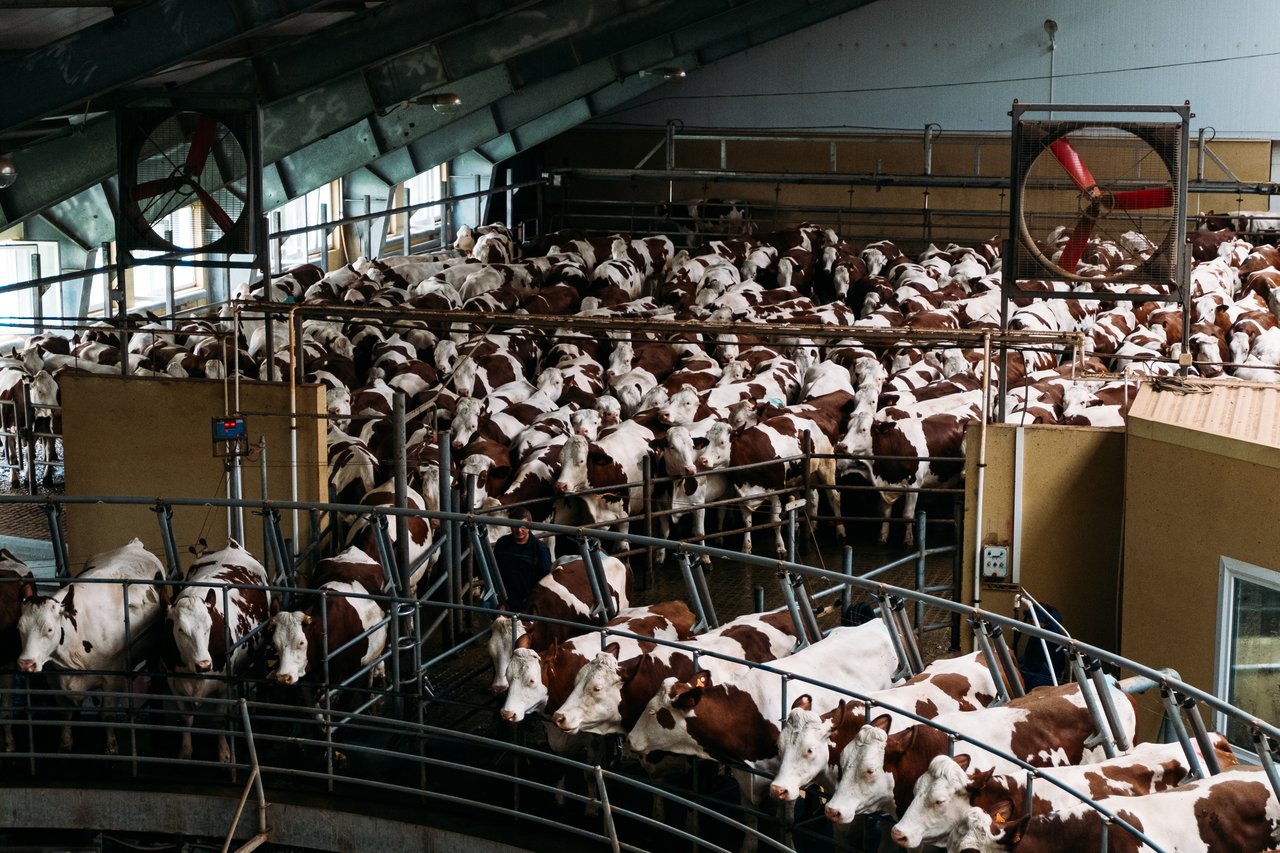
995,563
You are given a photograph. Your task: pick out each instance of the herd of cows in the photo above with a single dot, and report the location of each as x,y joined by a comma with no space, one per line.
553,410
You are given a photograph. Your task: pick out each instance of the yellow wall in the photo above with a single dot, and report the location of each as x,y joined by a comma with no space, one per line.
952,155
1187,508
152,437
1071,521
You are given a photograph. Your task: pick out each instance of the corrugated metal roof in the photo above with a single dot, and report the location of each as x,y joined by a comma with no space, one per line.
1230,418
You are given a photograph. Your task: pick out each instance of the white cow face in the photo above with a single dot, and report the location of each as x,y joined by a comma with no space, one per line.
41,630
679,454
680,408
525,693
620,359
804,747
573,461
466,420
289,636
551,383
865,786
974,834
663,725
464,377
940,804
856,442
719,444
192,625
610,410
594,704
500,644
586,422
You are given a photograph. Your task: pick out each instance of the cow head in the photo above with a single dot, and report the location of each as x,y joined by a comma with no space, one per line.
680,407
664,723
678,452
621,358
466,420
856,442
804,747
941,801
551,383
192,625
865,785
979,832
610,410
573,462
586,422
289,637
526,691
719,445
41,628
595,702
500,647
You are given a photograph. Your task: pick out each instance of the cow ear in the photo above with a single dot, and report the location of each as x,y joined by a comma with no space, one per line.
211,599
701,443
500,472
524,642
962,759
837,714
687,699
612,649
1016,829
26,591
274,606
701,679
69,602
978,780
659,444
804,701
1002,812
306,620
882,722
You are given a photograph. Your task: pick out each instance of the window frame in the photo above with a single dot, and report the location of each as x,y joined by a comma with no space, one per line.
1229,571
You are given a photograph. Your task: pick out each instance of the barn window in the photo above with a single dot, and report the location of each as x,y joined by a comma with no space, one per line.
22,261
150,283
421,189
303,212
1248,645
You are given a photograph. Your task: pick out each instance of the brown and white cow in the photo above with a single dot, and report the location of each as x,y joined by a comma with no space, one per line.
208,632
564,595
1233,811
13,574
83,631
1047,727
945,793
612,463
810,745
611,692
338,635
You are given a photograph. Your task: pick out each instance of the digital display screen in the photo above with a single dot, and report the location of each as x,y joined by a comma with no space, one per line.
229,429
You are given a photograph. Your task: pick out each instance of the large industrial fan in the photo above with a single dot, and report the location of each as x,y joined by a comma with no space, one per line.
1097,200
202,160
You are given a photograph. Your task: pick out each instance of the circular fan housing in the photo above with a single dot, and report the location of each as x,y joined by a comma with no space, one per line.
1098,202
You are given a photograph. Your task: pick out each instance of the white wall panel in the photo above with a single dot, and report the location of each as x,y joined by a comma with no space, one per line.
902,63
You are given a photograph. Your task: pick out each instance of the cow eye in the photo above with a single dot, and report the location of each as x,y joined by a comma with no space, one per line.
808,752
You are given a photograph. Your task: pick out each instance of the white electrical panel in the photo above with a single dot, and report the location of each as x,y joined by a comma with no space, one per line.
995,562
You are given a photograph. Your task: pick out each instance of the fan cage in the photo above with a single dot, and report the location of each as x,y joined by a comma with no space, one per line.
1121,156
154,146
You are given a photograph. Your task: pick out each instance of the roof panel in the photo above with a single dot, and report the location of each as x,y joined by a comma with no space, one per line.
1227,417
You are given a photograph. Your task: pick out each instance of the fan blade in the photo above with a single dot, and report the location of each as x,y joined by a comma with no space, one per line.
1079,172
201,144
1079,240
211,206
150,189
1143,199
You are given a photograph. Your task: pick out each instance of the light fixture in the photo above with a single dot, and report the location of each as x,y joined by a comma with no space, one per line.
8,171
667,73
1051,27
441,102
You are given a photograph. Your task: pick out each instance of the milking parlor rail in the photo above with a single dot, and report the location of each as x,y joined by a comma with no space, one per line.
344,708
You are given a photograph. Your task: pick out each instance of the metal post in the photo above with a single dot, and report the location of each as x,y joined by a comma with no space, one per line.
695,597
757,598
262,461
488,569
597,594
921,582
1100,686
993,664
324,237
791,535
646,475
368,226
169,305
789,596
908,635
957,568
595,566
1091,702
1173,715
408,226
704,593
1201,734
62,563
510,198
400,471
891,624
605,810
1008,664
812,628
37,298
386,549
1262,746
445,443
164,514
846,595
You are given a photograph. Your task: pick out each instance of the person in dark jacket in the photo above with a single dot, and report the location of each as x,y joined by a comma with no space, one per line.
522,561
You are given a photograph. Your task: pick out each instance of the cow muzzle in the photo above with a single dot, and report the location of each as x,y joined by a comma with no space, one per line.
509,716
562,488
835,815
780,792
282,678
899,838
562,723
203,665
27,665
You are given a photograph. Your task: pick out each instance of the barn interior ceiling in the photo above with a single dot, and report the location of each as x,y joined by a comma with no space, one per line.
337,81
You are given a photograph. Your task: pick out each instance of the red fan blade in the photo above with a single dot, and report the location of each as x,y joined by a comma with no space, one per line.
1079,172
1079,239
201,144
150,189
226,223
1143,199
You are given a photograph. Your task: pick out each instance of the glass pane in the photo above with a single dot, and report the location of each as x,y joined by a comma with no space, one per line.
1254,680
16,306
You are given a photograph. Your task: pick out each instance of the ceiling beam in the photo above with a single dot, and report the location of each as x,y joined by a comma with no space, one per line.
62,76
